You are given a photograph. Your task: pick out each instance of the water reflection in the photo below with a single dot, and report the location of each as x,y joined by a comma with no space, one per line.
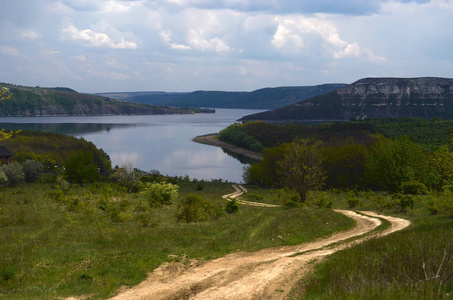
65,128
161,143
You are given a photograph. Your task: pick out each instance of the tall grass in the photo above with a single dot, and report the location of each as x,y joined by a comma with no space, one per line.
416,263
91,240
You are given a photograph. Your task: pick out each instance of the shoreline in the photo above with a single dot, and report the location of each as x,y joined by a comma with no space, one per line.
211,139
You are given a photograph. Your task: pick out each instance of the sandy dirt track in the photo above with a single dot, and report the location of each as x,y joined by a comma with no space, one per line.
265,274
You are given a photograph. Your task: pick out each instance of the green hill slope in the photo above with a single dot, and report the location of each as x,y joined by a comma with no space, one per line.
267,98
29,101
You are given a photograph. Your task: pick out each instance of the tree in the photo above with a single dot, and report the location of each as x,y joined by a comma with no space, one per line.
390,163
301,167
266,171
80,167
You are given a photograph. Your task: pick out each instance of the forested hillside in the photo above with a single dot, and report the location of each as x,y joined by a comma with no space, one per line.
28,101
267,98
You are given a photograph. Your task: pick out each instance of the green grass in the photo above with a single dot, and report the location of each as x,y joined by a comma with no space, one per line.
92,241
403,265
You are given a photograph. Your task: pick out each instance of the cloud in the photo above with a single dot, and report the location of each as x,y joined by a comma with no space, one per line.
316,37
29,34
9,51
96,39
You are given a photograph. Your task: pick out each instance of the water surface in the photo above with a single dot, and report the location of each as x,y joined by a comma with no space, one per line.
162,143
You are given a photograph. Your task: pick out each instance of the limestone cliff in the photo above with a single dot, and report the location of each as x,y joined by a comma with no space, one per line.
425,97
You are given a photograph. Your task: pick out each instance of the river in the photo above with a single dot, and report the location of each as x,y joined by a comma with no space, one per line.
162,143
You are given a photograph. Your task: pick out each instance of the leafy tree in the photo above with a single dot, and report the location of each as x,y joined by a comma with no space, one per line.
390,163
266,171
301,167
344,164
440,168
80,167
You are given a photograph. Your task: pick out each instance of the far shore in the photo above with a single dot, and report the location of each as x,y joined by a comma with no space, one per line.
211,139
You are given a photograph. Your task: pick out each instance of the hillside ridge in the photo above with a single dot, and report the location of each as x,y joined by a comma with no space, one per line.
265,98
372,98
36,101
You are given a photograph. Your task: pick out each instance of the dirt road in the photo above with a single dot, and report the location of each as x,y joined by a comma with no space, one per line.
264,274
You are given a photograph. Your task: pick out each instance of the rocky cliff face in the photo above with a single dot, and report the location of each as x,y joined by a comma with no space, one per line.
425,97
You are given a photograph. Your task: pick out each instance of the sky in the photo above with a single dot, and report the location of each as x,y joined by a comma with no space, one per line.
231,45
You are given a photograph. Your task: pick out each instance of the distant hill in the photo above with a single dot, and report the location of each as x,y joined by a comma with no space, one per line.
35,101
267,98
372,98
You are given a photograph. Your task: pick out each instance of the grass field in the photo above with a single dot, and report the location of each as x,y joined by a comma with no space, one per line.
415,263
92,240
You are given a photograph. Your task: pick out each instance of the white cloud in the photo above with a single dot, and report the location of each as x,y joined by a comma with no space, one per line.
316,36
79,57
29,34
199,42
9,51
97,39
119,6
180,47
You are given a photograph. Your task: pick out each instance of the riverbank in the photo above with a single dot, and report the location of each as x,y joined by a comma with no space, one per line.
212,140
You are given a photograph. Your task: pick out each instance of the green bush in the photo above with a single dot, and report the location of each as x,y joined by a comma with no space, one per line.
403,201
3,178
159,194
232,207
14,173
128,176
414,188
193,208
32,170
352,200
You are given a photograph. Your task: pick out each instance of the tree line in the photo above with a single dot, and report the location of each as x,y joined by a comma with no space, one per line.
353,155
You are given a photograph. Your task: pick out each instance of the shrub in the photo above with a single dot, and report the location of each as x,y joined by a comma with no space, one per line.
232,207
381,202
62,183
193,208
200,187
352,200
403,201
3,179
145,220
322,201
56,194
32,170
414,188
440,204
128,176
14,173
159,194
